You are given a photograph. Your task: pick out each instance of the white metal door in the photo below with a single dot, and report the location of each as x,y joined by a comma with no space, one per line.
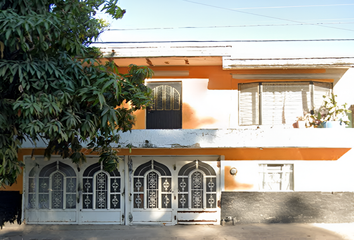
101,200
174,190
198,193
50,191
152,193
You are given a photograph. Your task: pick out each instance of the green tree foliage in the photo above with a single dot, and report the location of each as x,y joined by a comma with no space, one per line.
52,87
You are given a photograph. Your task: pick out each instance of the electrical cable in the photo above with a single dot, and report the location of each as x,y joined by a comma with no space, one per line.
261,15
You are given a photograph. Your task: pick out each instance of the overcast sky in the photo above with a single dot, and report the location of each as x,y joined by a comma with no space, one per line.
181,20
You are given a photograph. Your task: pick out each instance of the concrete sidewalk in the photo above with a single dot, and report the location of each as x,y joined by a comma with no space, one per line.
178,232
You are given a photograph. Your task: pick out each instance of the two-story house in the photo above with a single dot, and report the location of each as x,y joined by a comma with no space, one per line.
218,144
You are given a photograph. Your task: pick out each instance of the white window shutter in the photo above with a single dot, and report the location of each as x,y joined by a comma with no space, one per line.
249,104
282,103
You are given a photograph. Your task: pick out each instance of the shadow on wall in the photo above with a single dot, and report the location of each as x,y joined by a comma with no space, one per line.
190,119
294,210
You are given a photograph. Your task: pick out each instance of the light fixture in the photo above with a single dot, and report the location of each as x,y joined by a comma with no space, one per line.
233,171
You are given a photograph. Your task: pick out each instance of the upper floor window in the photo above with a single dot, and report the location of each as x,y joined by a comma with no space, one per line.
166,109
279,103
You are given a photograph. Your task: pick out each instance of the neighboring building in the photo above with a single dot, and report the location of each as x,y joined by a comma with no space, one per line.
217,144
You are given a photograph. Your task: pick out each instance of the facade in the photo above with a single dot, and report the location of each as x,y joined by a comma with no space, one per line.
218,145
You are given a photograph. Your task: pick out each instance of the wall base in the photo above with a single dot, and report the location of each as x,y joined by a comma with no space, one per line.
288,207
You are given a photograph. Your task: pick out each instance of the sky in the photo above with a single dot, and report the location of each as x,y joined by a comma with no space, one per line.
226,20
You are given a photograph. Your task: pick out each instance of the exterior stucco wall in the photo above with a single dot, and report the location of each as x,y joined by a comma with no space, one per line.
330,176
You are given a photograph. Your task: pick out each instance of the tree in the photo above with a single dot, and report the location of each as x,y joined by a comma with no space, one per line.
53,88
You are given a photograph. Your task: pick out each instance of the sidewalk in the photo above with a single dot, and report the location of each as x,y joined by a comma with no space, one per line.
179,232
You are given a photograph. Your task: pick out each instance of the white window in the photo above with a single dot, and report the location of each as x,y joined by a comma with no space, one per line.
279,103
276,177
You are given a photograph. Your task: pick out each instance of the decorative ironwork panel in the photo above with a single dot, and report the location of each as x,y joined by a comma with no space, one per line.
32,193
31,200
210,200
43,185
197,189
138,200
166,184
152,190
211,184
57,190
32,185
166,200
70,201
182,184
197,180
87,185
70,185
87,201
101,199
138,184
43,201
197,199
101,190
101,181
115,185
183,200
115,201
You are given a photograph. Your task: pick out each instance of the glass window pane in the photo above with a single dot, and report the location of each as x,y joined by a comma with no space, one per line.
115,201
87,183
115,185
138,200
70,201
43,201
166,200
43,185
71,185
211,200
31,200
182,184
166,184
182,200
57,190
87,201
211,184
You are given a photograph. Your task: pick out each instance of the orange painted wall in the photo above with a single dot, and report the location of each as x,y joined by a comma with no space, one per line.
232,183
240,154
18,186
204,105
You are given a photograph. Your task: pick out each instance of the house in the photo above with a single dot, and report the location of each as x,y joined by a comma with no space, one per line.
218,144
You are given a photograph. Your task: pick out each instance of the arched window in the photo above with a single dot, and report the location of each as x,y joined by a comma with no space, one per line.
196,186
102,190
152,186
53,188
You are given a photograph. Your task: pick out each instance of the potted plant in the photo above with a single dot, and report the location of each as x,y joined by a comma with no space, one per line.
303,121
331,114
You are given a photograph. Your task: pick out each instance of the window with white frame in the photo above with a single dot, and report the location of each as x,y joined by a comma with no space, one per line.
54,187
276,177
277,103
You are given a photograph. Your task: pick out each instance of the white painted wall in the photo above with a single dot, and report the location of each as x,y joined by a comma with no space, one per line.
326,176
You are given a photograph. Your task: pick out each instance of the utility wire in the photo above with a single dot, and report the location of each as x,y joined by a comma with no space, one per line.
299,6
234,26
231,41
261,15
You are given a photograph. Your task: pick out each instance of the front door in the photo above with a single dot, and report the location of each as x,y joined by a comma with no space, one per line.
101,200
166,111
174,190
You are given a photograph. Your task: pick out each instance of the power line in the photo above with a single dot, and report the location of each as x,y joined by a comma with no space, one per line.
231,41
299,6
232,26
261,15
